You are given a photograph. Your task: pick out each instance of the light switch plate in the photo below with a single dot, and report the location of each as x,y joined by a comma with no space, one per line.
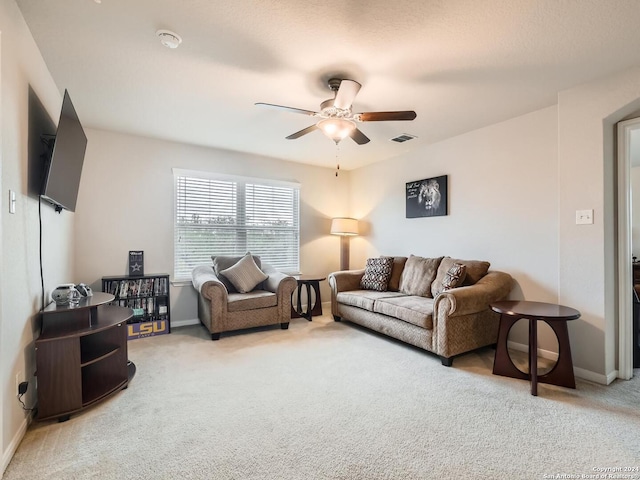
12,201
584,217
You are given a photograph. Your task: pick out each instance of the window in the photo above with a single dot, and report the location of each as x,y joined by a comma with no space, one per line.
227,215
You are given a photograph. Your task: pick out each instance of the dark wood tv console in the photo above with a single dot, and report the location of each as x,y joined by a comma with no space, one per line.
81,356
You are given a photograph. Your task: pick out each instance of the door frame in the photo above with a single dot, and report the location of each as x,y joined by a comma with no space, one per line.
625,284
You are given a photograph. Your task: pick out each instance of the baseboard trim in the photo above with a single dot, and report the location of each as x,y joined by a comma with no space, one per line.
15,442
521,347
577,371
595,377
184,323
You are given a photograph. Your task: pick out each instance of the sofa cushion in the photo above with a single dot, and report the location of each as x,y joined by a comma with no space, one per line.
377,272
364,298
245,275
475,271
412,309
418,274
222,262
396,273
454,276
250,301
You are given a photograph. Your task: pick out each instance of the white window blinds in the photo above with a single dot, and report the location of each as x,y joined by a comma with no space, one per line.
223,215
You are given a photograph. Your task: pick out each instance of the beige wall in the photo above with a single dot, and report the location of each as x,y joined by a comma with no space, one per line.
21,67
586,154
503,203
126,203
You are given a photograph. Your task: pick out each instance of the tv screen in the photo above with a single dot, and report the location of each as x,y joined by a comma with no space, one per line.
62,174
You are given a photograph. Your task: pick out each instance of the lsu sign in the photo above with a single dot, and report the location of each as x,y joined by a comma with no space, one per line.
147,329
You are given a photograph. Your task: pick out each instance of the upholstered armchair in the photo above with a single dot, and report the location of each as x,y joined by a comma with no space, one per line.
221,308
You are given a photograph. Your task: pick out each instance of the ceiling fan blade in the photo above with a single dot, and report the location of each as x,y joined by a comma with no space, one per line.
346,94
359,137
302,132
289,109
384,116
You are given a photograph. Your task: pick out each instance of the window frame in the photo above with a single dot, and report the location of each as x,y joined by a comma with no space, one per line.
240,203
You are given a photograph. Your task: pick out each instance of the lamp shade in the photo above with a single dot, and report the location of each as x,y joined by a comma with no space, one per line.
344,226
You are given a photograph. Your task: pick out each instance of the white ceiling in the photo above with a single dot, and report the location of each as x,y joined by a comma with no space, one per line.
460,64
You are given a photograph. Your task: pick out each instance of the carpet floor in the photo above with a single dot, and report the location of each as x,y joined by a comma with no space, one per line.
326,400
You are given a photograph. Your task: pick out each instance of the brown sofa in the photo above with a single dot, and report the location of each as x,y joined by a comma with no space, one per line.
447,323
222,309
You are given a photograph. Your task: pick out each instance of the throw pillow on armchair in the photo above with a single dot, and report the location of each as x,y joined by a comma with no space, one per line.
245,275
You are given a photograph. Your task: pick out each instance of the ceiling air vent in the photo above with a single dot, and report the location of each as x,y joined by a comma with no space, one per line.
403,138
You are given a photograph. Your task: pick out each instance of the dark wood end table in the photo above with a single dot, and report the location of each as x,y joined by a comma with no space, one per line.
556,317
309,282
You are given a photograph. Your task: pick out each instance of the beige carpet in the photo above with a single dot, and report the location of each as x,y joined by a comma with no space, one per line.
325,400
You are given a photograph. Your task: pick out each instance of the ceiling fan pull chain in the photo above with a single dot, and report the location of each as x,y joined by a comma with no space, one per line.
337,160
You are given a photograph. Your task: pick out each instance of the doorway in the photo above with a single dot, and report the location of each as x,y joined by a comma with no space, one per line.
628,243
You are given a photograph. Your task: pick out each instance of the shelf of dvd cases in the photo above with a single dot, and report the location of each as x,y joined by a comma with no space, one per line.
148,297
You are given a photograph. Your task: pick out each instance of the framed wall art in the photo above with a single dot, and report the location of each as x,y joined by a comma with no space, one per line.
427,198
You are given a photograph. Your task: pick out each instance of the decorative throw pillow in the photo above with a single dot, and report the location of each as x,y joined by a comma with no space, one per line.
377,273
418,274
454,276
475,271
245,274
222,262
396,273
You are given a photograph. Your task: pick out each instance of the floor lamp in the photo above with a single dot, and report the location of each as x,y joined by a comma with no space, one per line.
345,227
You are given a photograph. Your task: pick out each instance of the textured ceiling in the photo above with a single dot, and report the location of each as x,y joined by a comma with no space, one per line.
460,64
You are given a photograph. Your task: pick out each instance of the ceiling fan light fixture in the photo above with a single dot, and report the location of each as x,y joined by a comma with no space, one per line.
336,128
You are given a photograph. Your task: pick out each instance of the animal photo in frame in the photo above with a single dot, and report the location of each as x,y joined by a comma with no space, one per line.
427,198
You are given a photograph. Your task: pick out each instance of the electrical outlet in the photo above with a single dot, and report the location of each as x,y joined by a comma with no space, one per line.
584,217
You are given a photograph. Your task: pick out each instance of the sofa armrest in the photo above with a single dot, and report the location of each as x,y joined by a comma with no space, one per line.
345,280
494,286
205,281
280,283
212,297
283,286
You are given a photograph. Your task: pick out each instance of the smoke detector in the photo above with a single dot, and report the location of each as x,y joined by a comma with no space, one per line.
169,39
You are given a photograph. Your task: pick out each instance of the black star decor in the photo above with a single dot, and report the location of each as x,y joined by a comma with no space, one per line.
136,263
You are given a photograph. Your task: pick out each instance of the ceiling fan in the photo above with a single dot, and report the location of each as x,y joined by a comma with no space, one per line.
337,120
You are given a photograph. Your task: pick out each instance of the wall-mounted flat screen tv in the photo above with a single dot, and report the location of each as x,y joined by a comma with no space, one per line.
63,169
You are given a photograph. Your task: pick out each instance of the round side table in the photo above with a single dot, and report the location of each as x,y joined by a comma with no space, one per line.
556,316
309,282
